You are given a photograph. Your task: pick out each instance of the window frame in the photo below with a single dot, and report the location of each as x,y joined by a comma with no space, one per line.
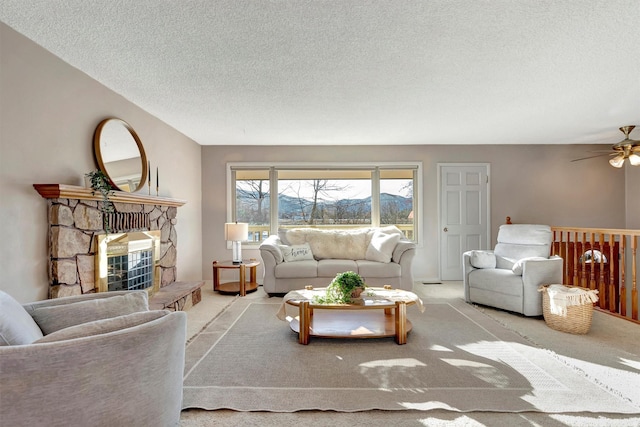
374,167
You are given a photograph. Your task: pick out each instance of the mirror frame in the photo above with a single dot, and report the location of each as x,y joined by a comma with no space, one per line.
97,136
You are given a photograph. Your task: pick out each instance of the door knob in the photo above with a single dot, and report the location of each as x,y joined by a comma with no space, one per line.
446,229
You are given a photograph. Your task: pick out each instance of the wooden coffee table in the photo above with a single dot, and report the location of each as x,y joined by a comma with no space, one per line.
383,313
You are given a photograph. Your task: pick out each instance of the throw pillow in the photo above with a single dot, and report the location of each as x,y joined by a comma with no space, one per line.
519,265
54,318
103,326
17,327
296,252
381,246
483,259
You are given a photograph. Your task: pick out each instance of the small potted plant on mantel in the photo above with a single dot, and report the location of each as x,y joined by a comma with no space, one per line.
100,183
345,288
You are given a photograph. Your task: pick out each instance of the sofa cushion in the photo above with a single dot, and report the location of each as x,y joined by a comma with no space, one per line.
496,280
17,327
516,252
331,267
103,326
282,236
483,259
519,241
295,270
296,252
504,262
381,247
370,269
337,244
519,265
54,318
525,234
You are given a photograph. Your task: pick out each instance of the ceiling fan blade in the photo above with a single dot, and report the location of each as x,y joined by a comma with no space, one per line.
591,157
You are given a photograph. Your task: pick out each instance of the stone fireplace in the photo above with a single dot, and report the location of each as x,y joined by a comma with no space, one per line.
76,229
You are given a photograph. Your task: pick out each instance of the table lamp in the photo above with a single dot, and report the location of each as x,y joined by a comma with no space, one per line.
236,232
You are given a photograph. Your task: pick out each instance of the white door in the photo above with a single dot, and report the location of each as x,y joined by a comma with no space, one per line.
464,214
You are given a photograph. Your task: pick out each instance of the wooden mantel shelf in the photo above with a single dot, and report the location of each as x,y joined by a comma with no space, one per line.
62,191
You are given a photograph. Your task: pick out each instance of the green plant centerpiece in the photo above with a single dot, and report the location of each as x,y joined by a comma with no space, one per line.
100,183
345,288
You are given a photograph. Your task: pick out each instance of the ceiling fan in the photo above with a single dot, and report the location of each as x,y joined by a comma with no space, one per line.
626,149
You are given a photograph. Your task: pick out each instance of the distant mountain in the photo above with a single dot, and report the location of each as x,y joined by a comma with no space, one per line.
291,207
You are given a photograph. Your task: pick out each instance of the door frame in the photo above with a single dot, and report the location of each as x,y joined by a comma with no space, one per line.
440,165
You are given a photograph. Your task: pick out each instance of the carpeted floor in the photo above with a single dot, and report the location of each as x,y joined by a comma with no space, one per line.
458,358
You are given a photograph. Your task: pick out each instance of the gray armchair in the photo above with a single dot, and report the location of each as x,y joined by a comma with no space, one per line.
92,360
509,276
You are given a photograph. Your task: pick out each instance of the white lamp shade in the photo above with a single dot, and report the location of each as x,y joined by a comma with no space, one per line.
634,159
236,231
617,161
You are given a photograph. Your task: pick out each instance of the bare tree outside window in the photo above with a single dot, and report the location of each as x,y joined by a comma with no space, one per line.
250,201
316,201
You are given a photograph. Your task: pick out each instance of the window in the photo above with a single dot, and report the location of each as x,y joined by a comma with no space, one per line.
252,201
331,196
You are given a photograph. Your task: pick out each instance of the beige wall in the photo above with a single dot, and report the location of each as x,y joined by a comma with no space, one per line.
48,113
633,197
531,184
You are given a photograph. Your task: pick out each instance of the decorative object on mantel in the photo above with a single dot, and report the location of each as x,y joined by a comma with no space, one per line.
345,288
100,183
236,232
120,154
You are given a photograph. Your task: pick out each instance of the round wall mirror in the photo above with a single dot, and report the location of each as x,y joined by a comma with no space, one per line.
120,154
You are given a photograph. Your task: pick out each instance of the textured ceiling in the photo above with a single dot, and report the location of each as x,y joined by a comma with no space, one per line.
360,71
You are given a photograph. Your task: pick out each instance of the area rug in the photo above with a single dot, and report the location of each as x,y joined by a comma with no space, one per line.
455,358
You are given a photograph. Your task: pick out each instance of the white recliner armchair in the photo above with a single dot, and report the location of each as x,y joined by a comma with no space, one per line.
509,276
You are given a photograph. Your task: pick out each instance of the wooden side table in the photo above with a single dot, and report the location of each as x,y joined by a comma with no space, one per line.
241,286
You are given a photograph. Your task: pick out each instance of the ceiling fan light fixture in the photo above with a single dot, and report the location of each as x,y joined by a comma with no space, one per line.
617,161
634,159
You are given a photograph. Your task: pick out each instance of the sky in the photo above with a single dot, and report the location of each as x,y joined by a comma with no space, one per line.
354,189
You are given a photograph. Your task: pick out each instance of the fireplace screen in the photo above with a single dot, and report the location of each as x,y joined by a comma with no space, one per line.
127,261
131,271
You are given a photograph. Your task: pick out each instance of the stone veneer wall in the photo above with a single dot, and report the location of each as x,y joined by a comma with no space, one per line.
73,226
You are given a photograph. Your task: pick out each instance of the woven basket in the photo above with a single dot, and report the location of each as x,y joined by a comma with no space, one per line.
577,320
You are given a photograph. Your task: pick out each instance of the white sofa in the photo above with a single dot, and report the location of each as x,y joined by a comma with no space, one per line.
309,256
509,276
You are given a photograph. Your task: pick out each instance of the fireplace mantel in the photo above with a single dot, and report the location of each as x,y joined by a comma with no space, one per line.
62,191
